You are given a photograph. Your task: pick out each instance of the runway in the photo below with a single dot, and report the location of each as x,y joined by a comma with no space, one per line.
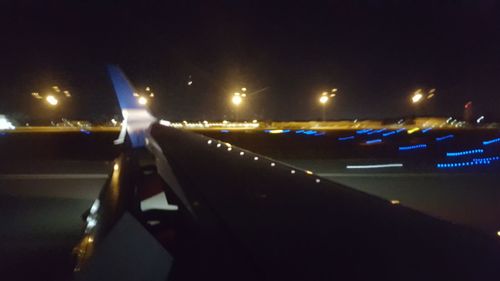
40,215
465,198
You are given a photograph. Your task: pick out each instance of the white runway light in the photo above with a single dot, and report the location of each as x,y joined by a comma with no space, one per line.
392,165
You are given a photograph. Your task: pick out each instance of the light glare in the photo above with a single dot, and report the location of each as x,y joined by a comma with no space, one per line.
236,100
323,99
142,100
417,97
52,100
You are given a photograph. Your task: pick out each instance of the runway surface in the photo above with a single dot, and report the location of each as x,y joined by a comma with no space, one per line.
472,199
40,215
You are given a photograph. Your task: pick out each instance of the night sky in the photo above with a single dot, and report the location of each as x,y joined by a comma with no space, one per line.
376,53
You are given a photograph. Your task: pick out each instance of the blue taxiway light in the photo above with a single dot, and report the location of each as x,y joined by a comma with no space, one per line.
277,131
310,132
227,131
376,132
494,158
393,132
85,131
426,130
346,138
465,152
373,141
491,141
320,134
463,164
360,132
445,137
418,146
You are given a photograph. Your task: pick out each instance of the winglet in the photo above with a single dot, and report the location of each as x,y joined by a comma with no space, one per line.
136,117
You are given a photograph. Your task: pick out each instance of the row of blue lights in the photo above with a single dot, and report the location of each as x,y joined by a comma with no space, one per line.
463,164
491,141
487,158
393,132
360,132
426,130
377,131
413,147
373,141
445,137
466,152
346,138
320,134
308,132
224,131
85,131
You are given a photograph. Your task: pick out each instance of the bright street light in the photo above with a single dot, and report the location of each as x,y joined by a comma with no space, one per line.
323,99
431,93
144,97
142,100
417,96
52,100
236,100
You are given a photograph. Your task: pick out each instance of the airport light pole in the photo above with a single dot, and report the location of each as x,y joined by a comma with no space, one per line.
419,96
53,96
237,100
144,98
324,98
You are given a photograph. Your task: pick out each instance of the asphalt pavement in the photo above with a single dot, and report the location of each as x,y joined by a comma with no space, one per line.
468,198
40,215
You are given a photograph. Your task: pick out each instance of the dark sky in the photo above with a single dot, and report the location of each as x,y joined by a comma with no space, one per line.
375,52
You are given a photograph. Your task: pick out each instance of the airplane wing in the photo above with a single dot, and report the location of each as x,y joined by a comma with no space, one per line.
242,216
